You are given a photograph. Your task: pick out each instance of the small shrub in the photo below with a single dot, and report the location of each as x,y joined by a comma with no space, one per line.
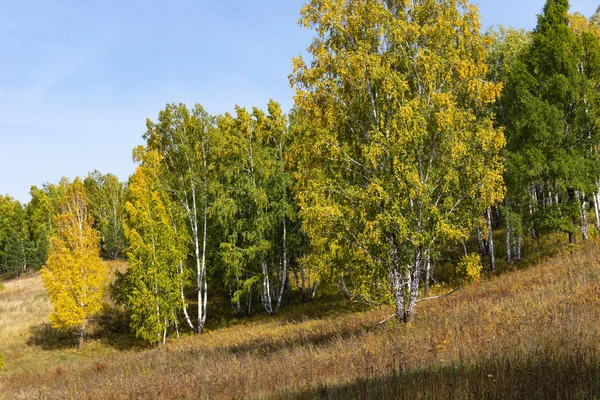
469,267
1,361
99,366
2,287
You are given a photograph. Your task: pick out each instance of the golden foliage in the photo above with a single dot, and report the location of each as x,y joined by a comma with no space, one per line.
469,267
74,276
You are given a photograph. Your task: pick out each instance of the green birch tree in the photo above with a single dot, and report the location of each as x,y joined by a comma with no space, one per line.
401,156
152,285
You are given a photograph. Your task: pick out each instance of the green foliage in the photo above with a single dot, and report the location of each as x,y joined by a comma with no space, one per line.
40,213
255,204
550,108
1,361
157,249
17,252
107,201
185,141
399,153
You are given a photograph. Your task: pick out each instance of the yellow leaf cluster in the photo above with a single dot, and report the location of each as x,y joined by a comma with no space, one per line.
74,276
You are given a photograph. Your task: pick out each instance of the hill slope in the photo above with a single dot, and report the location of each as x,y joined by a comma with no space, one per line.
531,333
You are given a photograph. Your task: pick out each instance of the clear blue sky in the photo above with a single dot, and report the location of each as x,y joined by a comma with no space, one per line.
79,78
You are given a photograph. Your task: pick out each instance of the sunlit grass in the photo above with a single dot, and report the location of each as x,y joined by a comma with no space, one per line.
526,333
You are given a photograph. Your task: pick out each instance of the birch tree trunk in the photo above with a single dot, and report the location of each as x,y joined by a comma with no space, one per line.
427,273
204,303
597,209
398,284
414,286
584,219
572,200
184,307
514,245
313,290
249,302
80,341
284,267
480,245
508,259
344,287
491,240
266,292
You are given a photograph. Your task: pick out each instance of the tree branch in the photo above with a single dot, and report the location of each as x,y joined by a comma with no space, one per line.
387,319
440,296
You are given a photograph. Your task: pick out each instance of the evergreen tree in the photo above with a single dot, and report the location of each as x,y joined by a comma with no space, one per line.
184,140
548,108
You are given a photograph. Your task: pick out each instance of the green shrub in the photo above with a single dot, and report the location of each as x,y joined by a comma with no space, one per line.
1,361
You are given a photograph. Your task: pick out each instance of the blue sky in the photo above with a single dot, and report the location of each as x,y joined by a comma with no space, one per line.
79,78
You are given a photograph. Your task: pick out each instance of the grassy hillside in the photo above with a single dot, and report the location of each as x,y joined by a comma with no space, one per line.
529,333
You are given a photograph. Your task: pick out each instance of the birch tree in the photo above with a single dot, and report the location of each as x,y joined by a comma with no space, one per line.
153,281
402,156
41,210
74,276
184,140
256,206
107,200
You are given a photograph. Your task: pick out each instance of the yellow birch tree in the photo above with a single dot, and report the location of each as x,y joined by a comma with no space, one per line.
75,277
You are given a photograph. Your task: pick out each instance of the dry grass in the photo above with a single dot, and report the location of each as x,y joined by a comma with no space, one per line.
531,333
23,305
25,334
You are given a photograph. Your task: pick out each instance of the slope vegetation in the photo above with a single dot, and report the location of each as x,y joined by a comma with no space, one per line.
528,333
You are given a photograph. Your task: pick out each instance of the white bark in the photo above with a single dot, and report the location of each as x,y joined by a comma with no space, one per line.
508,259
283,268
584,220
428,272
597,209
491,240
185,309
266,294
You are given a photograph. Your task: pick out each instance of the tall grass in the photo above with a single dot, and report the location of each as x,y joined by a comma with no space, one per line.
528,333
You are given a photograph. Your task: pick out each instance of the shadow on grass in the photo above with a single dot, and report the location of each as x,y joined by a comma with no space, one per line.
111,328
573,377
49,338
266,346
329,304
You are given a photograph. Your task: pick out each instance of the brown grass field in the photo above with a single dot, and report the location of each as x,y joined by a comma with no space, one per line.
526,333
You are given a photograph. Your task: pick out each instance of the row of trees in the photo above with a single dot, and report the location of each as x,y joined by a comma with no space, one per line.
550,108
411,130
216,192
26,229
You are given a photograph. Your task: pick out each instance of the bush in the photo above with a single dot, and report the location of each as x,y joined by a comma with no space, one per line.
469,268
2,287
1,361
